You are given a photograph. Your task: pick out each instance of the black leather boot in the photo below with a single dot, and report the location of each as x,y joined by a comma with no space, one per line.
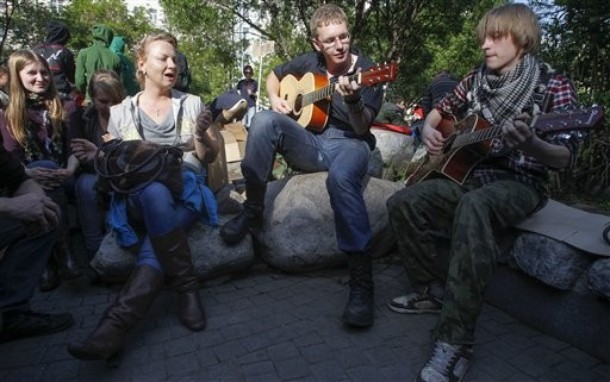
250,219
360,309
130,307
174,254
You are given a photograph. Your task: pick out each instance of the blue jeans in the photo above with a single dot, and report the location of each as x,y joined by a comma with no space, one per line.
92,218
157,210
341,153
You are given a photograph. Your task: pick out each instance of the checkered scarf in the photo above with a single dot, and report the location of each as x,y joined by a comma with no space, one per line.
501,98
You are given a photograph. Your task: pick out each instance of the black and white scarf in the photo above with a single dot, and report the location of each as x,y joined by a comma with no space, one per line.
500,98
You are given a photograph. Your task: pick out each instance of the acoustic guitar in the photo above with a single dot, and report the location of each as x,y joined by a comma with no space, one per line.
469,142
309,96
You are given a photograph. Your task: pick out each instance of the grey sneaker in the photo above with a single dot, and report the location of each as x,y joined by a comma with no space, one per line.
448,363
416,303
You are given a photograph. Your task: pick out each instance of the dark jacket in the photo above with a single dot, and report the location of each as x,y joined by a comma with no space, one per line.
12,173
59,58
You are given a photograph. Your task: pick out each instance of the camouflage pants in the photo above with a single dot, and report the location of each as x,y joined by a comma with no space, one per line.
468,215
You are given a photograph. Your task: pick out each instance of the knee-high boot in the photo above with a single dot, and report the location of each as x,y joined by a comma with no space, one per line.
360,309
174,255
67,265
130,307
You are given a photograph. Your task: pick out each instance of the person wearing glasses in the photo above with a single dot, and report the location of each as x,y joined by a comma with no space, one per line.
342,148
248,89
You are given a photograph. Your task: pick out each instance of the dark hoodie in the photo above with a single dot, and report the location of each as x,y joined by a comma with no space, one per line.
97,56
59,58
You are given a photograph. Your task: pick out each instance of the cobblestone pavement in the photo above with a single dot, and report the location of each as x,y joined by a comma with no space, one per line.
269,326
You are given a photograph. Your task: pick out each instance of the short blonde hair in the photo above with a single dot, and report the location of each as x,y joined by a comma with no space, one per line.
517,20
325,15
142,50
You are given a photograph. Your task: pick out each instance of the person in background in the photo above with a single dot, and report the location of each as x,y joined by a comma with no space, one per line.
96,56
28,219
502,189
34,130
392,111
88,126
248,89
441,85
128,69
162,115
183,82
59,58
3,87
343,148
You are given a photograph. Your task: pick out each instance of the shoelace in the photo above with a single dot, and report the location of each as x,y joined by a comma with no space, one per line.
443,357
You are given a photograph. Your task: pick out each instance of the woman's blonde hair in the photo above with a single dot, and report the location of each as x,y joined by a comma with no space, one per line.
107,81
16,109
325,15
517,20
142,50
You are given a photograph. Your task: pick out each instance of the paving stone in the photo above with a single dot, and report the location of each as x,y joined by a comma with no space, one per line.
270,326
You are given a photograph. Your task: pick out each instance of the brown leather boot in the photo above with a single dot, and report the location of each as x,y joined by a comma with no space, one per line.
131,305
174,254
49,279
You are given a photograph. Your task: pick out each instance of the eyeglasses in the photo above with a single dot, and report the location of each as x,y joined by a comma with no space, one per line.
332,41
247,72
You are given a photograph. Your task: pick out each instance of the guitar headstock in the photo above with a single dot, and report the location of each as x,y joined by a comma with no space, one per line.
586,118
379,73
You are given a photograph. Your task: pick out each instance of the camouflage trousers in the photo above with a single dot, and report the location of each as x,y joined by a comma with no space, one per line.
469,215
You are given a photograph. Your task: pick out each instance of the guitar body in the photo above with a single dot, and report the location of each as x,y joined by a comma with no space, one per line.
314,115
453,164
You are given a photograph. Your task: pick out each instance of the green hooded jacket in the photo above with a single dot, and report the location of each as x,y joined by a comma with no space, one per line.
97,56
128,69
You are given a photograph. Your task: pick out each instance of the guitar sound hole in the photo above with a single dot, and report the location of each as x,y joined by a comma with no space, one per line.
298,104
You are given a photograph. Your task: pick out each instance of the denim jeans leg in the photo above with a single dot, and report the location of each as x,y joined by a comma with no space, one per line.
24,261
349,162
92,218
160,214
273,132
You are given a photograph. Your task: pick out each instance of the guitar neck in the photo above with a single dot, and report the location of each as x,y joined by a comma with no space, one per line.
476,137
324,92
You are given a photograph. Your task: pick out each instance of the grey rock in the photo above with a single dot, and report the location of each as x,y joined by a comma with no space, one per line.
396,151
211,257
599,277
555,263
298,233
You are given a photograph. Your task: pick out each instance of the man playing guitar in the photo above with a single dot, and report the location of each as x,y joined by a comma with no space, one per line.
506,186
342,148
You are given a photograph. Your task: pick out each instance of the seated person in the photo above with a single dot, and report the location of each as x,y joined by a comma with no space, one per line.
28,219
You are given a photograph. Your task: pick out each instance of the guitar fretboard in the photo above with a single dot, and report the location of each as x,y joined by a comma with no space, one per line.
476,137
321,93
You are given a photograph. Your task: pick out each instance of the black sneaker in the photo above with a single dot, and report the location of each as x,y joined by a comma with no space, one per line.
448,363
416,303
20,324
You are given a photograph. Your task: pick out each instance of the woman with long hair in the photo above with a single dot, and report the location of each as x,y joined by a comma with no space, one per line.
162,115
34,129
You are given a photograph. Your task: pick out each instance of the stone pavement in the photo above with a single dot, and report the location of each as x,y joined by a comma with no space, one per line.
264,325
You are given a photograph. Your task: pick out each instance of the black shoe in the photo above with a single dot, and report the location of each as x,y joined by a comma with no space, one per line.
21,324
236,229
360,309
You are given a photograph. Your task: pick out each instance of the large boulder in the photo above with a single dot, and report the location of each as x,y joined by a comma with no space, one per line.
211,256
298,233
396,150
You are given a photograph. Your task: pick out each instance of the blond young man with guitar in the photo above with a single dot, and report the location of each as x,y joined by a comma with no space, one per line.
508,184
341,145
